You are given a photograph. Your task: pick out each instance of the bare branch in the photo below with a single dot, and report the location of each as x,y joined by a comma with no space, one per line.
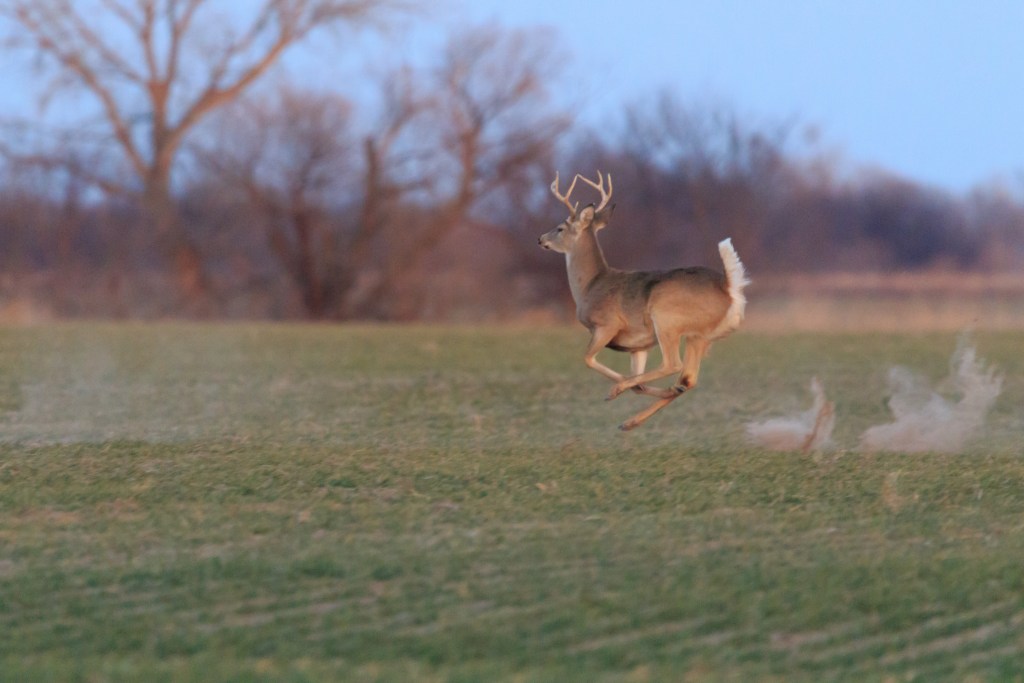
123,13
288,22
180,25
108,56
71,164
51,35
64,36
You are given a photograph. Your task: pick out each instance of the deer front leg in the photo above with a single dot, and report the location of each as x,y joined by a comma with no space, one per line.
637,363
599,339
638,360
670,364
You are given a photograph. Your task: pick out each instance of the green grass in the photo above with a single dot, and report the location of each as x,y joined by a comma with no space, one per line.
313,503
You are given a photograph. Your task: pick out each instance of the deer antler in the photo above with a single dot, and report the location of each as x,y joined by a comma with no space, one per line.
599,186
564,198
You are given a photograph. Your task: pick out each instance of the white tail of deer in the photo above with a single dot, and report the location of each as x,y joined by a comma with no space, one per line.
633,311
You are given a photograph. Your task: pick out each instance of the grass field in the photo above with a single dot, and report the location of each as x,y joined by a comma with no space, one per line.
314,503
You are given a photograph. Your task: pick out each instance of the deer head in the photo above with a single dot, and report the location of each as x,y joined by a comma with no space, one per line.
566,233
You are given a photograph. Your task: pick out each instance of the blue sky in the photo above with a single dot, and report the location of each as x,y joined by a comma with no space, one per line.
932,90
928,89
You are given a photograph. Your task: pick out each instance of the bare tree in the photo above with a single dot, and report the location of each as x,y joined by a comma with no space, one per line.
155,68
393,157
711,166
323,194
487,113
353,216
291,157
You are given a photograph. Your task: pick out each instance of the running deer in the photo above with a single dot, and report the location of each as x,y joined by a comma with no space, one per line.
633,311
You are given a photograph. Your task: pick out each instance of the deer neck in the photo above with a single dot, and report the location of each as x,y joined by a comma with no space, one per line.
585,263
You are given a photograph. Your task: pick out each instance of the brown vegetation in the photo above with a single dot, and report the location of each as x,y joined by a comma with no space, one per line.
199,195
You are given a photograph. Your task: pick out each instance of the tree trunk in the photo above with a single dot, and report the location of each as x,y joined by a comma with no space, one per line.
314,294
371,221
442,223
183,256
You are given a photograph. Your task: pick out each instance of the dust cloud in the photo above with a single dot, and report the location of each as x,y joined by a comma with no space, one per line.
926,419
808,431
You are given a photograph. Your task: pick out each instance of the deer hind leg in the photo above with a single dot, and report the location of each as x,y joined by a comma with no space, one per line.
643,415
670,364
696,348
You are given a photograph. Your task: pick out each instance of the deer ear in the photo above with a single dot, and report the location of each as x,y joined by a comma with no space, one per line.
602,217
586,217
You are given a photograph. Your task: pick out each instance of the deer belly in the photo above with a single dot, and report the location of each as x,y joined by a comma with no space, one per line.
633,339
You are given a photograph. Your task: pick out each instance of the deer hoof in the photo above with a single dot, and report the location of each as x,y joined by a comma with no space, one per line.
630,424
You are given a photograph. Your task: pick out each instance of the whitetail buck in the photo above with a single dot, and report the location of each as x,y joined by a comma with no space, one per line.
631,311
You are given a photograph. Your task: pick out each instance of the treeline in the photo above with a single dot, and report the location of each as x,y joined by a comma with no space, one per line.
425,201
